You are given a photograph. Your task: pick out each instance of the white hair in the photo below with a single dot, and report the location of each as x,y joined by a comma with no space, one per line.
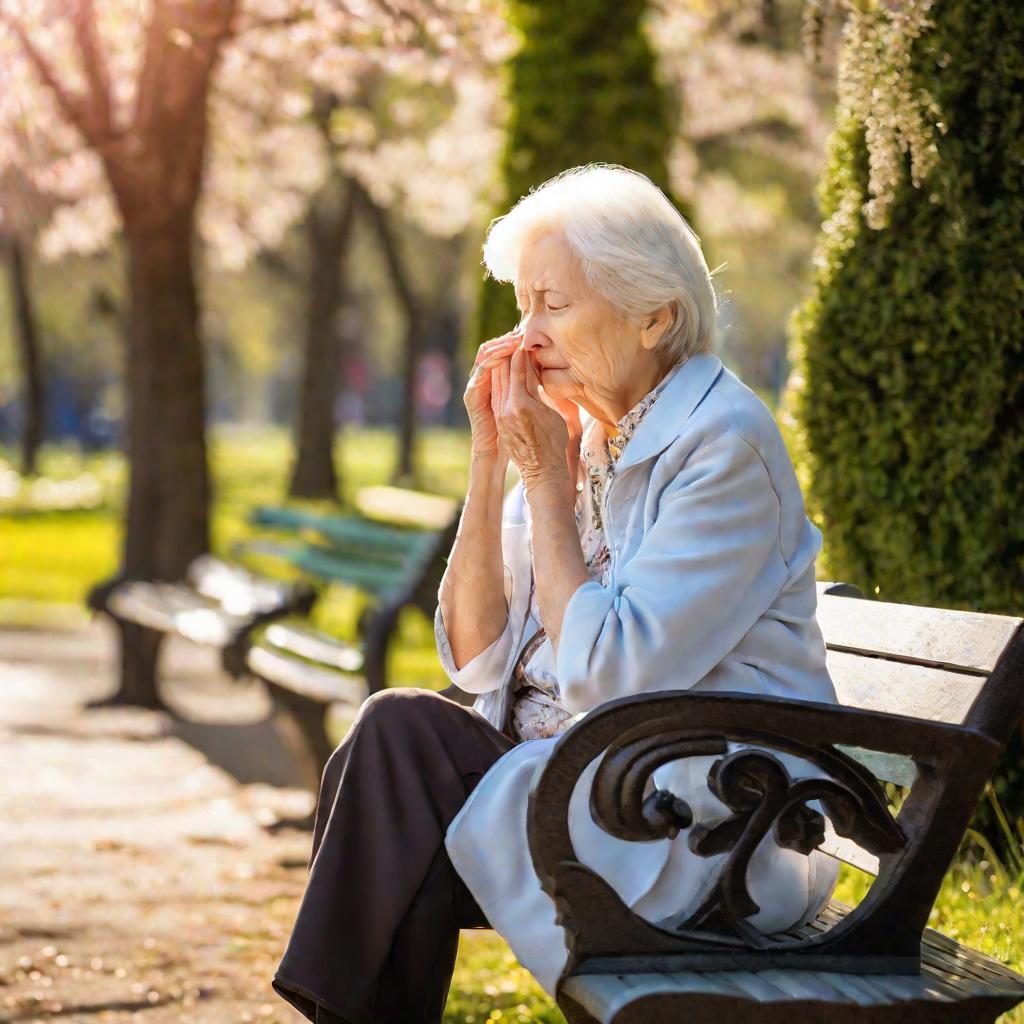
635,247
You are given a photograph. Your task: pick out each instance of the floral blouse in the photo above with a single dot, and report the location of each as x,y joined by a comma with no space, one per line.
536,711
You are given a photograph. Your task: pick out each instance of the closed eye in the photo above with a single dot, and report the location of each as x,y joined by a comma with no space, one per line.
556,308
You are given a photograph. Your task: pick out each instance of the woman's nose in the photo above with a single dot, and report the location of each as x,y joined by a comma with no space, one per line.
533,337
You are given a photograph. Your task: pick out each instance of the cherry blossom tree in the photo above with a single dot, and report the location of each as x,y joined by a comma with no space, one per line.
133,115
125,99
403,143
439,180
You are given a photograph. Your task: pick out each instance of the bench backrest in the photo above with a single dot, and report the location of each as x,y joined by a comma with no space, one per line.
929,663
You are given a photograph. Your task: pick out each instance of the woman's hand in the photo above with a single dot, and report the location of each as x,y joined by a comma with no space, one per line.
533,432
478,395
570,413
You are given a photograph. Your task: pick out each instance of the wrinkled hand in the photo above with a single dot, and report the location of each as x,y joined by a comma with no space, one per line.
533,432
570,413
477,397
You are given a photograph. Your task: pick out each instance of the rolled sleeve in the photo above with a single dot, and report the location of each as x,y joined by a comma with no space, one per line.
484,671
707,569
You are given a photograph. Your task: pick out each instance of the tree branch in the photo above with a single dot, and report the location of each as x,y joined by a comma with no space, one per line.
94,67
253,24
381,223
180,51
71,105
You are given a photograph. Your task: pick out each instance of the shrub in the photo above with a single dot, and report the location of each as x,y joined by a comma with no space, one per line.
908,387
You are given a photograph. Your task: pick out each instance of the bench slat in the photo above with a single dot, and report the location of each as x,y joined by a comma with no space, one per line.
846,850
853,988
897,688
968,641
413,508
175,608
374,576
896,768
291,638
950,978
235,589
323,685
372,539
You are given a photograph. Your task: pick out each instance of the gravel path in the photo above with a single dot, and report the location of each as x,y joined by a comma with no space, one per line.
138,881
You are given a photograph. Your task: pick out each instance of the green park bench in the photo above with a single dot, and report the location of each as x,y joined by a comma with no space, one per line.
396,558
217,604
225,606
929,697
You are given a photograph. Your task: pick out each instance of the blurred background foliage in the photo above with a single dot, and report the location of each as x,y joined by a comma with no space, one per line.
717,102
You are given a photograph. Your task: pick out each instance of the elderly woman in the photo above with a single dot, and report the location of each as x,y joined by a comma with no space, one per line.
655,540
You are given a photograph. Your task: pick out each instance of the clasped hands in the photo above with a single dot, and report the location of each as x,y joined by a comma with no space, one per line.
512,417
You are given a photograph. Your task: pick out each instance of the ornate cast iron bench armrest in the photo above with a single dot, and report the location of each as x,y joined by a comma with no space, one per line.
639,734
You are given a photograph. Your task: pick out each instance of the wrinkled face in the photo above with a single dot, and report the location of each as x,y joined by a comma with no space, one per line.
582,347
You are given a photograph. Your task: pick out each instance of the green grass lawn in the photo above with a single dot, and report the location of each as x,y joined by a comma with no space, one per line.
49,559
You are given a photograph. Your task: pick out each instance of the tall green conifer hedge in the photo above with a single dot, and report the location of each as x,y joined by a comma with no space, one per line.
908,389
582,88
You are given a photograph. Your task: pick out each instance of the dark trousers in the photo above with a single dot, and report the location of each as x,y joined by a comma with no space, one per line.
377,931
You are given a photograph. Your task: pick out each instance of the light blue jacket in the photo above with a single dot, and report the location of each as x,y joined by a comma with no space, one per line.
711,588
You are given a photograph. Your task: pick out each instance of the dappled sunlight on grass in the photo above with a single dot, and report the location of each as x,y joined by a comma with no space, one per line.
490,986
979,906
56,556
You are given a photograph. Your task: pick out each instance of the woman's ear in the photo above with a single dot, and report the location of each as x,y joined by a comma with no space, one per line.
656,324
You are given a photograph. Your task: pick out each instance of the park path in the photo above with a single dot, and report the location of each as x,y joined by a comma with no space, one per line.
137,882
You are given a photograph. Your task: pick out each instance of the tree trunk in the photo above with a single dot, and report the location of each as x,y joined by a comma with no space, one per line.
405,474
446,324
415,332
169,490
27,337
328,230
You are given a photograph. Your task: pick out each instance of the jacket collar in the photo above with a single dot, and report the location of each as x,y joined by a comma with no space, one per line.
664,422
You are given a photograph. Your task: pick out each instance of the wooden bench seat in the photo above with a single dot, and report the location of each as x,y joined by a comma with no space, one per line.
175,608
306,672
955,984
217,605
214,606
928,700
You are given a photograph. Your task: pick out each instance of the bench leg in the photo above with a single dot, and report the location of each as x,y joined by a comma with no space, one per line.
139,654
311,718
380,627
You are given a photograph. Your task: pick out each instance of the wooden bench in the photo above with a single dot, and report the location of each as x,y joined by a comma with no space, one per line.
929,698
398,563
306,671
217,605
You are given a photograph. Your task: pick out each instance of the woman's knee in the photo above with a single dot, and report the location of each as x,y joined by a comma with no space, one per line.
397,710
388,717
